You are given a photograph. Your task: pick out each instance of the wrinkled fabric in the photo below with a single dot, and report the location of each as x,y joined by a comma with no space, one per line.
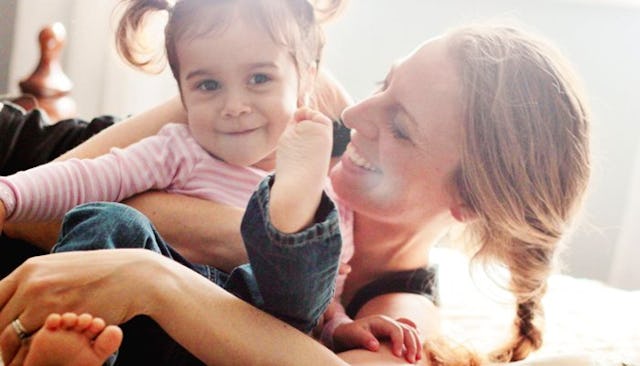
27,139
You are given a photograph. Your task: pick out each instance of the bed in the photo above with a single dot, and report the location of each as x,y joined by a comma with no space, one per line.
588,323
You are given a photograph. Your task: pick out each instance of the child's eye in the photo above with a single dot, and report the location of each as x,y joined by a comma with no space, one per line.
208,85
259,79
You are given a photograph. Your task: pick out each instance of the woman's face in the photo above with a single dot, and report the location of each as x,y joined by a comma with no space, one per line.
405,141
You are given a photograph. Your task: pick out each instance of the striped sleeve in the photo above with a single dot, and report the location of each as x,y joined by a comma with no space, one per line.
49,190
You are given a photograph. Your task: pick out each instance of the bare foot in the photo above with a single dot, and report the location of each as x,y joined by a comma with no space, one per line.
71,340
302,163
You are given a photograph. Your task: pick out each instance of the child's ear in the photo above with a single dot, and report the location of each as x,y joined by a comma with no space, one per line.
463,213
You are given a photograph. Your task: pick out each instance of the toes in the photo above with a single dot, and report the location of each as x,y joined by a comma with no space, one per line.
53,321
84,322
96,326
69,321
107,342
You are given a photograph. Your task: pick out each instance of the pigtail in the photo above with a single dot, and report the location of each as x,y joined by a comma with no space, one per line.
323,92
327,10
137,36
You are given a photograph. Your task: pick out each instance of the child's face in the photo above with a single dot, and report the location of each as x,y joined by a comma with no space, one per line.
240,90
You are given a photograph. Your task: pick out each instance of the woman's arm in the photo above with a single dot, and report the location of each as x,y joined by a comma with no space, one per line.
206,232
130,130
116,287
215,326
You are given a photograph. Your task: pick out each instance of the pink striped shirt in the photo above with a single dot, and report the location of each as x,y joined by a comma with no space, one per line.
172,161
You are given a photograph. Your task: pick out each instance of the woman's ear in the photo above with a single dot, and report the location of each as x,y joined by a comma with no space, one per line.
463,213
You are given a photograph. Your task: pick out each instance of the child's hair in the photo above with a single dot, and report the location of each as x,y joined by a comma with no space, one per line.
524,167
294,24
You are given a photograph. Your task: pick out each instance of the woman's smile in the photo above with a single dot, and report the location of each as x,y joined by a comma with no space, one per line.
358,160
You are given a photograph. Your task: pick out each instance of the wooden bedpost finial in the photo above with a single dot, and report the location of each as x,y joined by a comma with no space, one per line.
48,83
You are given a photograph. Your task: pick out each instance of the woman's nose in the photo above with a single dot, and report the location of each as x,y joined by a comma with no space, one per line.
360,117
235,105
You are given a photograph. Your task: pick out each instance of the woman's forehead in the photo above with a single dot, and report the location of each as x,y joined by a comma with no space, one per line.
428,78
427,85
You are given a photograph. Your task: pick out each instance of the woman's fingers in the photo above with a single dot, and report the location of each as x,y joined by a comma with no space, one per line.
8,287
13,300
94,281
19,357
9,344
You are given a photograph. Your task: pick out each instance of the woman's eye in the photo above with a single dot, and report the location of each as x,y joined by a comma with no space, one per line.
259,79
208,85
397,131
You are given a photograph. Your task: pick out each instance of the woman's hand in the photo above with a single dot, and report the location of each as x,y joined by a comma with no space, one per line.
103,283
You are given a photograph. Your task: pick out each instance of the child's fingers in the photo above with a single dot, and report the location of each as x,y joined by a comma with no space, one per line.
344,269
407,322
404,337
362,337
393,330
411,344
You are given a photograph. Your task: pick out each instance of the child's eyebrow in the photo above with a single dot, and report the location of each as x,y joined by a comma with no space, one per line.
196,73
249,66
266,64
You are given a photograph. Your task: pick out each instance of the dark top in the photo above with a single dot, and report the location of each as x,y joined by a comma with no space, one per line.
28,139
421,281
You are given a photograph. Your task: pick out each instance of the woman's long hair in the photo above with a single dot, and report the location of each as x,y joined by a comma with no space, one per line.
524,169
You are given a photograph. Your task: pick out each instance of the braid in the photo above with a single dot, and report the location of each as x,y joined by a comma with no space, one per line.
529,284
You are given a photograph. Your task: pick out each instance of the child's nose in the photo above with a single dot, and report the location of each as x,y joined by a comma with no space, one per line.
235,105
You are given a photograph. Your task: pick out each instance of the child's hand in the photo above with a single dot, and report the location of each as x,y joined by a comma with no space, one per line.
302,164
366,333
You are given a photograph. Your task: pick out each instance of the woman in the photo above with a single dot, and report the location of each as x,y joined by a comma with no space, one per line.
483,126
